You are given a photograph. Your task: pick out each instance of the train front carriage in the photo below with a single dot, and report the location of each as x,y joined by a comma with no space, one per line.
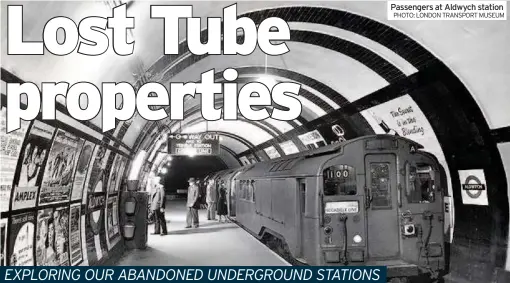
382,204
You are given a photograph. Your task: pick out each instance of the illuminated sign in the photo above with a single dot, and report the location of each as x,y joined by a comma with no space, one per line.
194,144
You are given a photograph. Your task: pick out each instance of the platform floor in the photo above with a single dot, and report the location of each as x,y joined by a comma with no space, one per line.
211,244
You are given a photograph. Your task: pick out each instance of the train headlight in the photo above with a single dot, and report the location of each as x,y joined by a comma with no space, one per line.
357,239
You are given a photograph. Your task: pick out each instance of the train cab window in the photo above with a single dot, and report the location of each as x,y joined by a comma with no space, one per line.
340,180
380,185
420,184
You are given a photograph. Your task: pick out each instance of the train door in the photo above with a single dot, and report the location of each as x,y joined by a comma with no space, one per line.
382,212
232,195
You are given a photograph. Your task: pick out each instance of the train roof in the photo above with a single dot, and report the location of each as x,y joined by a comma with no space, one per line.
289,164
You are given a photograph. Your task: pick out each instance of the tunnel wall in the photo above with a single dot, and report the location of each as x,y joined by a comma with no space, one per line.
59,199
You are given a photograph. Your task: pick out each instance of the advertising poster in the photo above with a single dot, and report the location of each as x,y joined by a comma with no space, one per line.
3,241
339,130
21,240
122,168
81,170
114,172
312,139
32,157
75,252
10,149
272,152
52,240
112,222
289,147
59,172
95,200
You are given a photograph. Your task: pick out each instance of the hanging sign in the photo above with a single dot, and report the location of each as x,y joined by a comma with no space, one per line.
194,144
473,187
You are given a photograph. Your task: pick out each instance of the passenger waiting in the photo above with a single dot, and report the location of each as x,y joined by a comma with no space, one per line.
222,201
211,200
192,204
158,200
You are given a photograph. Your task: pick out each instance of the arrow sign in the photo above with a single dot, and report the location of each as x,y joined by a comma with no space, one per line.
194,144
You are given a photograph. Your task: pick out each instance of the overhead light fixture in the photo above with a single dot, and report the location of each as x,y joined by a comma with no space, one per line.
163,170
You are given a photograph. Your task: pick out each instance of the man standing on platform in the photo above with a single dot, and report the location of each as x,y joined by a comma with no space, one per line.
192,204
211,200
158,200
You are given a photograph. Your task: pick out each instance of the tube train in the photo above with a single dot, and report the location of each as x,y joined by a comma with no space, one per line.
374,200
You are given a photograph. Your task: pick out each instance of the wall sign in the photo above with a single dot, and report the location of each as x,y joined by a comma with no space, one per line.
272,152
473,187
289,147
312,139
10,149
194,144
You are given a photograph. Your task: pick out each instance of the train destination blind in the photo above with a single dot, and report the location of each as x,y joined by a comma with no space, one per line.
194,144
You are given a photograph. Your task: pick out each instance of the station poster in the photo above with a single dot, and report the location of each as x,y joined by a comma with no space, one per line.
59,172
10,149
21,240
52,240
81,170
3,241
272,152
120,173
114,174
32,160
112,222
95,199
312,139
75,251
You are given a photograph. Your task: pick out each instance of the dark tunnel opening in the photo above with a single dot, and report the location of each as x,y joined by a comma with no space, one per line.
181,168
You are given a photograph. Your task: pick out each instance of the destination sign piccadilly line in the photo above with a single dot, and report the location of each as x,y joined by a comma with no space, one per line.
194,144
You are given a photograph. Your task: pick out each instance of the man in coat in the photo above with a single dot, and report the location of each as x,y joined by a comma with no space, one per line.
158,200
192,204
211,199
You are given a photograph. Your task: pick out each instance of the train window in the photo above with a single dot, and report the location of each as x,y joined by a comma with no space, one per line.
340,180
380,185
420,184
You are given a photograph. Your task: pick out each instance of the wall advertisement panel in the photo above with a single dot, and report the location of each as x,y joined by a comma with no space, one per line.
112,222
33,156
81,170
75,250
52,241
114,175
21,240
95,200
10,149
60,167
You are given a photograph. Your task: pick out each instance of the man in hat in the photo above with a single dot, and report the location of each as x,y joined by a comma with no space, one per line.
158,200
211,200
192,204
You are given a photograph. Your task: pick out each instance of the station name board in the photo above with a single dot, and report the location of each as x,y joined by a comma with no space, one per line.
194,144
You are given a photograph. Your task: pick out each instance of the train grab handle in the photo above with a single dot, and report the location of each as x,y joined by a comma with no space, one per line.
399,192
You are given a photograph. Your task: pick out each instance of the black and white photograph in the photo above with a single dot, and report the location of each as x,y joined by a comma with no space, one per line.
33,156
59,173
52,239
358,141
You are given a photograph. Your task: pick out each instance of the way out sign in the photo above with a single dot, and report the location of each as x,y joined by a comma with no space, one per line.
473,187
194,144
